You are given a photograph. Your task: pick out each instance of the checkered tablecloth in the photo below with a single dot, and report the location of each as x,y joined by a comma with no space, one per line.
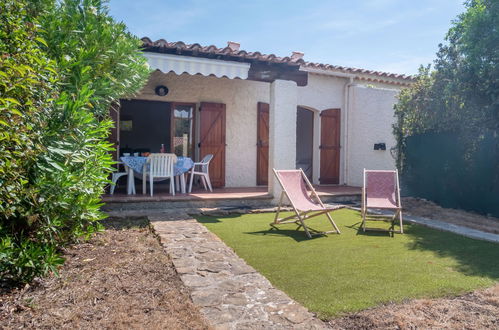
182,165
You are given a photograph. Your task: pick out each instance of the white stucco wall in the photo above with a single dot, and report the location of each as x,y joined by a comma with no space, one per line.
370,121
282,137
240,98
322,93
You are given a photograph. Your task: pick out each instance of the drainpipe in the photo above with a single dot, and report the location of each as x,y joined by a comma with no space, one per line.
346,106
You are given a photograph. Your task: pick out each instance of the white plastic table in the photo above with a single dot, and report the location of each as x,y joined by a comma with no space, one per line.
136,164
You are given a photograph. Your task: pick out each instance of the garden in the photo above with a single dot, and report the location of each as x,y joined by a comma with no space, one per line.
357,270
64,66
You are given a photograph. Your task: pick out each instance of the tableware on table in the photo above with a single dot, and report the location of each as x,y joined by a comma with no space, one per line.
136,154
126,154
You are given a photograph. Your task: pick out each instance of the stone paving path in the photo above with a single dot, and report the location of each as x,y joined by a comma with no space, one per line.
456,229
230,293
450,227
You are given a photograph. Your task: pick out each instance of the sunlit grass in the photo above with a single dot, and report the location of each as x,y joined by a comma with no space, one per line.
335,274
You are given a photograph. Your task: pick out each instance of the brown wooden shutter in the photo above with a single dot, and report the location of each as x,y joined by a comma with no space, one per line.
212,139
262,144
330,147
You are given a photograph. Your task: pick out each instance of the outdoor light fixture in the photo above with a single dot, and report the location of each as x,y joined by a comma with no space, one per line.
161,90
379,146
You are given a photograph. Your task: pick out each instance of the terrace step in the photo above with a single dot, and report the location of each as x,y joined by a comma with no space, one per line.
251,202
220,198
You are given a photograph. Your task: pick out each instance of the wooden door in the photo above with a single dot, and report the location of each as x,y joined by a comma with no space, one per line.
262,145
330,147
212,139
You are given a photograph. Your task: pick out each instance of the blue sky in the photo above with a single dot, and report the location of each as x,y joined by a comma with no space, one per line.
388,35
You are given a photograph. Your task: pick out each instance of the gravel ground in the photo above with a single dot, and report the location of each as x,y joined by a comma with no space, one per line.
120,279
424,208
476,310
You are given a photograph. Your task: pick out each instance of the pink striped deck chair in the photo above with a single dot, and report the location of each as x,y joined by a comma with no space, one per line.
381,191
305,205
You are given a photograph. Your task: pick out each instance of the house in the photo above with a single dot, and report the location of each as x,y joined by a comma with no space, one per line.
256,112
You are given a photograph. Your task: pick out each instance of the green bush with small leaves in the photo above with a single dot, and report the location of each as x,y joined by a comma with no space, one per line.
461,93
62,66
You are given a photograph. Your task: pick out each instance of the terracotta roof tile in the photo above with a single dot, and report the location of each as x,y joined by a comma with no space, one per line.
228,53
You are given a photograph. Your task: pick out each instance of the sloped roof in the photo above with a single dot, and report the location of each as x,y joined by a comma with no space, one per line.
231,54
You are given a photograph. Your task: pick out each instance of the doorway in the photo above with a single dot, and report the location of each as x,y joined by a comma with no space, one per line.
149,126
305,141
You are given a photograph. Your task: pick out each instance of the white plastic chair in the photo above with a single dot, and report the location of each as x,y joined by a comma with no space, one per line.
159,166
203,172
115,177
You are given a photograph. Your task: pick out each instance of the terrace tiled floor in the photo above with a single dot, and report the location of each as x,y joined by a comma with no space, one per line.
161,194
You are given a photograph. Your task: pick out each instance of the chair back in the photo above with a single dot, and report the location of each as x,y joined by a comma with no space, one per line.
381,187
293,183
161,165
205,162
206,159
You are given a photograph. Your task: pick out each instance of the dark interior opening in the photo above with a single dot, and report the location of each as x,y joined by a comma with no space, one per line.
305,140
144,126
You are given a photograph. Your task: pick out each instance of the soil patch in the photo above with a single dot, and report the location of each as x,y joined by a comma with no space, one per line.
121,278
427,209
476,310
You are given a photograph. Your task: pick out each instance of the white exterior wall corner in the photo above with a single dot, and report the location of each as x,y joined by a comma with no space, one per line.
371,117
239,96
282,131
321,93
370,120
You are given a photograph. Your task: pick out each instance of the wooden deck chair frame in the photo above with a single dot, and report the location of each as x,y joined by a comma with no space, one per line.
300,216
382,217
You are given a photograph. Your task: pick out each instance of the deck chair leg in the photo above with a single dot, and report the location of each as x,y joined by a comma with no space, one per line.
401,224
279,207
303,225
364,214
333,223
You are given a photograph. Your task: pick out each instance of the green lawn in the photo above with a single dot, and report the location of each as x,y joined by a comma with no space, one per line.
335,274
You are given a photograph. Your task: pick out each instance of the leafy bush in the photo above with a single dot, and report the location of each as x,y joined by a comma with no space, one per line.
448,121
58,83
462,93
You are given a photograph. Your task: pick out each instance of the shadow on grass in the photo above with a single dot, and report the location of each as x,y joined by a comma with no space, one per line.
296,234
208,219
474,257
124,223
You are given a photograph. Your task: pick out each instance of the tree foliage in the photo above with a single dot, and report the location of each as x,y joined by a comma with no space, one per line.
62,65
461,94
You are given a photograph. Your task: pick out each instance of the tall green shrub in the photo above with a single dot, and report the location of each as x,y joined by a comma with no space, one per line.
448,120
28,88
99,62
461,94
55,130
